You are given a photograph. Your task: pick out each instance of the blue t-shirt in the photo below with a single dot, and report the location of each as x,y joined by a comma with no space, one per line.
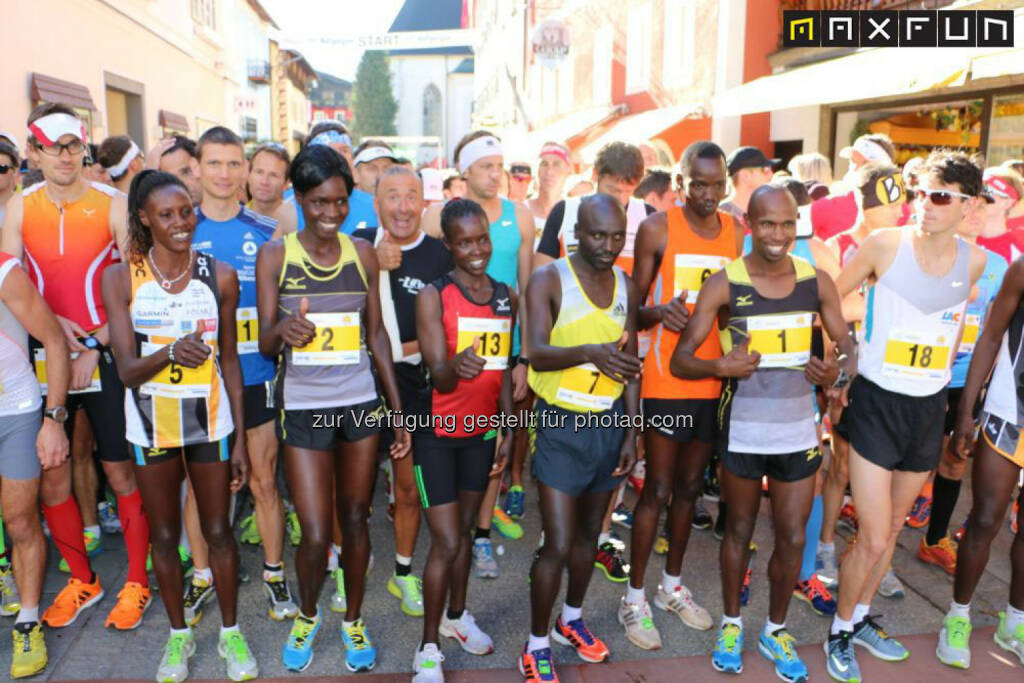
300,219
988,285
236,243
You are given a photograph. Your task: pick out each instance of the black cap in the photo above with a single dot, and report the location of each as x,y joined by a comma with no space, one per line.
748,157
519,168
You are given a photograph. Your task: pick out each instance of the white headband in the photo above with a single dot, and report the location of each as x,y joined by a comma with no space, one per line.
474,151
121,167
869,149
372,154
52,127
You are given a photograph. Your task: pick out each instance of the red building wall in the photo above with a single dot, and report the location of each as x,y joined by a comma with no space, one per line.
761,39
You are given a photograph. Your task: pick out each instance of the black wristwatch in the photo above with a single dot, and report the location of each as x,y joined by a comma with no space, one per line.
523,361
92,343
58,414
842,380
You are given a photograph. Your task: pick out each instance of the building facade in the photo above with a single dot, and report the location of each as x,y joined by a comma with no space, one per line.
291,78
330,99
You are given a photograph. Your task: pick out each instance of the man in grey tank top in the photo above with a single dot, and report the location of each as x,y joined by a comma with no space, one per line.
920,278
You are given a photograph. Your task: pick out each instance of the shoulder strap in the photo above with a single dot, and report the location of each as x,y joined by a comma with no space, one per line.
804,270
350,253
737,272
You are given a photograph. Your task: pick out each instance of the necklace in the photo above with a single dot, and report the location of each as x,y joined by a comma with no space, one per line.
164,282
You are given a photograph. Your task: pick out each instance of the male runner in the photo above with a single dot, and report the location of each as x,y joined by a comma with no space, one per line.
676,252
122,159
656,190
372,158
25,444
921,279
268,174
1006,188
421,260
454,187
582,307
998,459
766,416
177,155
749,169
479,157
69,230
520,175
233,235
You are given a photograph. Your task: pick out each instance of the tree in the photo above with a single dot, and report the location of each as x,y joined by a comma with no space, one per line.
375,106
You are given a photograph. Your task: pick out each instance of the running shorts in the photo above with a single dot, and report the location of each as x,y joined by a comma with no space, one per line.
105,410
211,451
683,419
18,458
259,404
779,466
321,429
575,461
1003,437
444,466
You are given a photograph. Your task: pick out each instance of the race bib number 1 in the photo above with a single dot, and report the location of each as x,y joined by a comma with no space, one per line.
784,341
177,381
40,363
691,270
495,337
336,341
248,325
587,387
914,355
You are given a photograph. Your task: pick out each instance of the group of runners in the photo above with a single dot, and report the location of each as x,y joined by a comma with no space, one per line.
194,318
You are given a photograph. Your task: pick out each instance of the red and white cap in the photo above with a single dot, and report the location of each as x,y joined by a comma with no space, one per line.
558,150
1000,187
52,127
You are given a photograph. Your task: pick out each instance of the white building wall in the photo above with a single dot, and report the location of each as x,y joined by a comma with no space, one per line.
797,123
410,76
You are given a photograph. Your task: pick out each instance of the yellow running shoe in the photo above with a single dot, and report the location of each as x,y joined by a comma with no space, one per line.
29,650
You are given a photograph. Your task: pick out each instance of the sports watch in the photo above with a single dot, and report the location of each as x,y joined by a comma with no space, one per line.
58,414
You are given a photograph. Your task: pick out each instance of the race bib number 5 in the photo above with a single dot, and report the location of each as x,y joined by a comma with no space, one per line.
248,325
784,341
691,270
336,341
177,381
495,337
587,387
40,363
914,355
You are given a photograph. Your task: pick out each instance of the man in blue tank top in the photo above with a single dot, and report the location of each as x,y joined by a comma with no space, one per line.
233,234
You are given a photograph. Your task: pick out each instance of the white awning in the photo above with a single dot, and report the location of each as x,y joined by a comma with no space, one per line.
639,128
571,125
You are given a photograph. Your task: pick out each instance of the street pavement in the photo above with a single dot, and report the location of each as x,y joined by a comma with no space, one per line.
86,650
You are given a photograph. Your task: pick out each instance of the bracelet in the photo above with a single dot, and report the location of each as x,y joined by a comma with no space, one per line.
170,351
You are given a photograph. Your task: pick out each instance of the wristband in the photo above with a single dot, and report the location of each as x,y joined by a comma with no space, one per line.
170,351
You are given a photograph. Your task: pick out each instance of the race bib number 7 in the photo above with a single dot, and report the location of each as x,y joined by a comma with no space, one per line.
691,270
784,341
587,387
914,355
336,341
495,337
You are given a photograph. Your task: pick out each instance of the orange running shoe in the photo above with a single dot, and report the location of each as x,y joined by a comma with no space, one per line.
575,634
69,603
942,554
132,603
537,666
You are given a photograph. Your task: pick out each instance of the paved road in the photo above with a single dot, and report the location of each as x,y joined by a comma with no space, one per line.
86,650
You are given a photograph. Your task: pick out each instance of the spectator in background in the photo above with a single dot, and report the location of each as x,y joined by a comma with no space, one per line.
552,173
520,176
656,189
8,174
650,155
93,170
579,187
372,158
177,155
749,169
814,171
1006,188
122,159
454,187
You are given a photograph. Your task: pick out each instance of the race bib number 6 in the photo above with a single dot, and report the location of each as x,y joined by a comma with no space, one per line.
495,340
336,341
691,270
911,354
587,387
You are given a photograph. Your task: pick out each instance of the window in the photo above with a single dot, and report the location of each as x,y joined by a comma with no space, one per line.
602,73
638,48
318,115
432,110
248,129
339,116
204,13
680,43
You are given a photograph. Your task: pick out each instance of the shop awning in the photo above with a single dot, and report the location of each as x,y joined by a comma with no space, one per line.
49,89
172,121
572,126
638,128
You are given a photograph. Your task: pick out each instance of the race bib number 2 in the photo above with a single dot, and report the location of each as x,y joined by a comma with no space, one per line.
691,270
587,387
336,341
495,337
911,354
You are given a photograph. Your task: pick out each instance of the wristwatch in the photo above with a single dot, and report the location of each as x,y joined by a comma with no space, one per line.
92,343
842,380
523,361
58,414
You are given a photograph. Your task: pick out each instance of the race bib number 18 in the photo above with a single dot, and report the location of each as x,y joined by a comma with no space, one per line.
911,354
336,341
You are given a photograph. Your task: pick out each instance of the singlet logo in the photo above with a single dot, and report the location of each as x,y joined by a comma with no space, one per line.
619,309
204,265
249,248
744,300
295,282
89,212
411,284
503,306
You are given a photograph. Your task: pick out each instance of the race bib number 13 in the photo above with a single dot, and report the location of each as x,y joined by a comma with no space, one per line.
495,337
336,341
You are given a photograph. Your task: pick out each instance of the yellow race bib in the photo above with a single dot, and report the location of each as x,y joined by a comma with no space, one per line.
691,270
495,337
248,325
972,327
915,355
176,381
784,341
587,387
336,341
40,363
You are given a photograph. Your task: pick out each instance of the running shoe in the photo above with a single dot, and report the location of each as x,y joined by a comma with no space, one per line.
187,565
661,543
197,592
622,516
870,635
426,665
292,528
132,602
1011,642
942,554
505,525
107,514
848,518
29,656
609,561
515,502
409,590
360,655
339,601
282,605
484,564
958,535
891,586
727,655
701,517
576,635
920,512
825,566
297,653
745,588
72,600
10,603
841,658
238,659
954,648
537,667
464,629
250,532
780,649
637,476
639,624
817,597
680,603
93,545
174,663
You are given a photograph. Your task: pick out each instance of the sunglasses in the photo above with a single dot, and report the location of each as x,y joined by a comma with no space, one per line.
939,197
6,168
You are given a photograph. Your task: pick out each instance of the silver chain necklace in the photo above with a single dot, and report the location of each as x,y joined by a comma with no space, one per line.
164,282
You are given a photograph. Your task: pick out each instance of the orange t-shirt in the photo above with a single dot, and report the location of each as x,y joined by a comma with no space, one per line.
688,260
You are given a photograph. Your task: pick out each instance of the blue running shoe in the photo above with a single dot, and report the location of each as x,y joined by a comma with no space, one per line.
360,654
780,649
727,656
869,635
537,667
298,649
840,658
622,516
515,502
817,597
